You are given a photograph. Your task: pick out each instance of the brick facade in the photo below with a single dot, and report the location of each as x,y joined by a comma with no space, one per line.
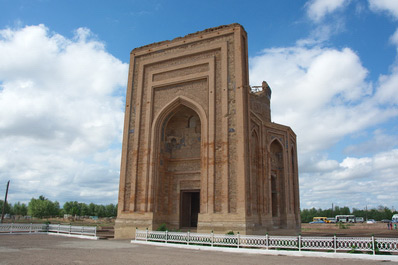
199,149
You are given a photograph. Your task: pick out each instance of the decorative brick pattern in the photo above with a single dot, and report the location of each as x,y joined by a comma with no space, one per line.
193,126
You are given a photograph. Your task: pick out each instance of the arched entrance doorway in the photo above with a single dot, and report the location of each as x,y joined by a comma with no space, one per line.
179,169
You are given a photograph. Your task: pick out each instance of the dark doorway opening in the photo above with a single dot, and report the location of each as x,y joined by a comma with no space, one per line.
190,208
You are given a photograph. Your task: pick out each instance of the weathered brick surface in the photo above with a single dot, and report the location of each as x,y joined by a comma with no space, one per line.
193,125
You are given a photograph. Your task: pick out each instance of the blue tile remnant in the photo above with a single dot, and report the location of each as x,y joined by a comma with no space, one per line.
231,130
131,131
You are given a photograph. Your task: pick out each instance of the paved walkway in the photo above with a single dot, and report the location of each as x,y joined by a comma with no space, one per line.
51,249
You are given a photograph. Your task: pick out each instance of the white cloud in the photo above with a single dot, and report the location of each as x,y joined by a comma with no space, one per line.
388,88
359,181
322,33
60,108
317,9
394,38
324,95
389,6
380,141
329,96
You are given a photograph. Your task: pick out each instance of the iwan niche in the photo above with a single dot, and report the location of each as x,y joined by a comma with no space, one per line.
199,149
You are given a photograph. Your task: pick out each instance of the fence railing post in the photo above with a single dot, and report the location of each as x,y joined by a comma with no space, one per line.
146,234
70,229
335,243
299,242
166,235
373,245
267,241
188,234
30,228
12,227
238,240
212,237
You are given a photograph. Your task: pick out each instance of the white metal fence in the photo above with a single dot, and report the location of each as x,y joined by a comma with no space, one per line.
48,228
363,244
75,230
22,228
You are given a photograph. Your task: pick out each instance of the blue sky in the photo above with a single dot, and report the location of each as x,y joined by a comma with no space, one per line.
332,66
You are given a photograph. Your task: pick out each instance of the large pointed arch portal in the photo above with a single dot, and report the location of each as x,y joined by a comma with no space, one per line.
177,174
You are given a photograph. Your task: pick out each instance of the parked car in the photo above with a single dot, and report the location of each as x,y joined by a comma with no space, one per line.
331,220
371,221
317,222
385,221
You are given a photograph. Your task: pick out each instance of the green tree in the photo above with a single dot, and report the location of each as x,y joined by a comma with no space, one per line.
8,208
100,210
72,208
341,210
20,209
43,207
84,210
385,213
91,209
378,214
110,210
307,215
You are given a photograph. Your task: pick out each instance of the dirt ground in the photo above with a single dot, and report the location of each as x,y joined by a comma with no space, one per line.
355,230
49,249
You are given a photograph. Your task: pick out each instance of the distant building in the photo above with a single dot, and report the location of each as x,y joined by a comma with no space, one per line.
199,149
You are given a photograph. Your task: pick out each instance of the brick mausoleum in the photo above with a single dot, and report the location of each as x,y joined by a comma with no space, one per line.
199,149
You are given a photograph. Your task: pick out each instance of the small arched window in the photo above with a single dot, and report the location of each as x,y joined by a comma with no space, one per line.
192,121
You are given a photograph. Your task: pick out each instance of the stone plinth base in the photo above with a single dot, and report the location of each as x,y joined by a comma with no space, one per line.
125,226
219,223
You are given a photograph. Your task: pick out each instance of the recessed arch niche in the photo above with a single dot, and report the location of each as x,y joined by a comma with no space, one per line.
278,200
177,163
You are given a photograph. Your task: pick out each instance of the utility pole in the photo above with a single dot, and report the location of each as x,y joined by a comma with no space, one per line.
5,203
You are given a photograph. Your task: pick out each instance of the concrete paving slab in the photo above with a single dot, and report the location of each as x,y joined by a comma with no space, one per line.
45,249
